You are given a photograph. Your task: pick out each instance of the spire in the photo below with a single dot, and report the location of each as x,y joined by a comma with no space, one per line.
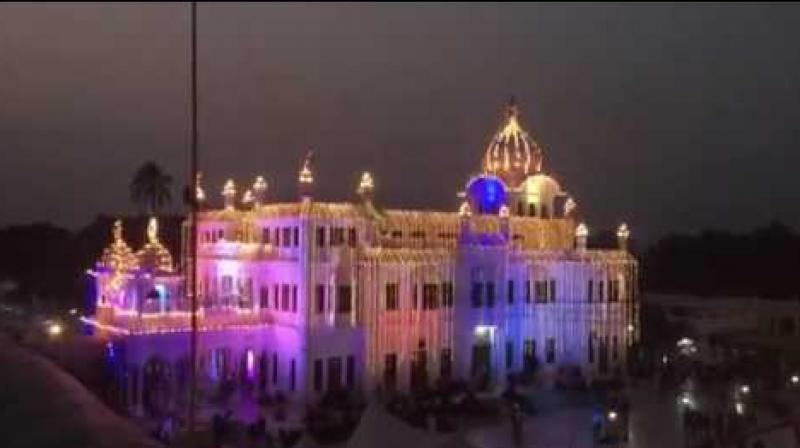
366,186
154,255
259,191
228,194
200,194
305,178
512,110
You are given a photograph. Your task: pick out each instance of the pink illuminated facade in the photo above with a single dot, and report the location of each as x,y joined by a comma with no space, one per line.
309,296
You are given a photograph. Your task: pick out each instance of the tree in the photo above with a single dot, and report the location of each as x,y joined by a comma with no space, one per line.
150,188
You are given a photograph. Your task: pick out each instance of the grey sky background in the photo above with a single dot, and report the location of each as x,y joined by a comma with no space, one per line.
673,118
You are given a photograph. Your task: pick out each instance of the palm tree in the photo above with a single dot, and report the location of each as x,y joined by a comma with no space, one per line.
150,188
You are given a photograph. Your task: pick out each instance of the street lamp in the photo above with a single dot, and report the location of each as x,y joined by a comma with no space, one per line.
745,389
795,379
612,416
54,329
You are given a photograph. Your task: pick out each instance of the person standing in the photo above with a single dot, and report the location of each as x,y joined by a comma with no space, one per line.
516,424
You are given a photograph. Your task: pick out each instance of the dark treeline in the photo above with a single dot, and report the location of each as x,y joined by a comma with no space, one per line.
50,263
761,263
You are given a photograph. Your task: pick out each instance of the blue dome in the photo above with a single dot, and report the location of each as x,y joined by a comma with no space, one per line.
486,194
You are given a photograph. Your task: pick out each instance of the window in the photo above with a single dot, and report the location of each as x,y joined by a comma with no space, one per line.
529,354
550,350
540,287
391,296
295,236
613,293
531,209
490,294
276,297
446,363
275,368
589,291
220,234
415,296
287,236
320,298
418,234
344,300
351,237
430,296
284,297
334,373
614,348
294,298
511,292
397,234
337,236
552,290
600,290
390,370
591,348
265,235
317,375
476,293
264,297
527,291
227,285
320,236
447,294
509,355
291,375
277,235
350,372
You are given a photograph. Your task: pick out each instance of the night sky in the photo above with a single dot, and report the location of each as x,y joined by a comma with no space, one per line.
670,118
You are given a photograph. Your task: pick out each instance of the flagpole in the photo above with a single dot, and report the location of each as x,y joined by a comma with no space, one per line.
192,268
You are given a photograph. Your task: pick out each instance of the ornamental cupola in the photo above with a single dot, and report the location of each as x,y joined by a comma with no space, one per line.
118,257
154,256
305,179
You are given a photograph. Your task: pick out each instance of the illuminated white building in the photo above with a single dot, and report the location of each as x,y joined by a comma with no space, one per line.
308,296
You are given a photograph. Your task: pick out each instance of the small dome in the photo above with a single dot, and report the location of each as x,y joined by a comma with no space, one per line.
486,194
154,255
118,257
512,154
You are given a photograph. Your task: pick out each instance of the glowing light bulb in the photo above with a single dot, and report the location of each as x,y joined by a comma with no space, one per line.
54,329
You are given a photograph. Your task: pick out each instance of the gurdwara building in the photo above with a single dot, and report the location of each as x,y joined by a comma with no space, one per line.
306,297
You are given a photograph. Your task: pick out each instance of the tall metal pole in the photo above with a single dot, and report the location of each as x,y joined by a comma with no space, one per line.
192,268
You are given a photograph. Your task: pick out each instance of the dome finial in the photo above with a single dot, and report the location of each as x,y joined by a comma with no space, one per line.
512,110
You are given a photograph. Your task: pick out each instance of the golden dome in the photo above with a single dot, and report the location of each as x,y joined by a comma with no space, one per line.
118,256
512,154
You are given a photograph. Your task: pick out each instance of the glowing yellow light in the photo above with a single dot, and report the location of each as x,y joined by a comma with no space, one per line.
582,231
795,379
612,415
569,206
154,254
366,185
504,212
465,209
54,329
306,176
247,197
200,194
623,232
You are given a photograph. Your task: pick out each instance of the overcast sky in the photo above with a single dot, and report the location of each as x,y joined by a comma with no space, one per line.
672,118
